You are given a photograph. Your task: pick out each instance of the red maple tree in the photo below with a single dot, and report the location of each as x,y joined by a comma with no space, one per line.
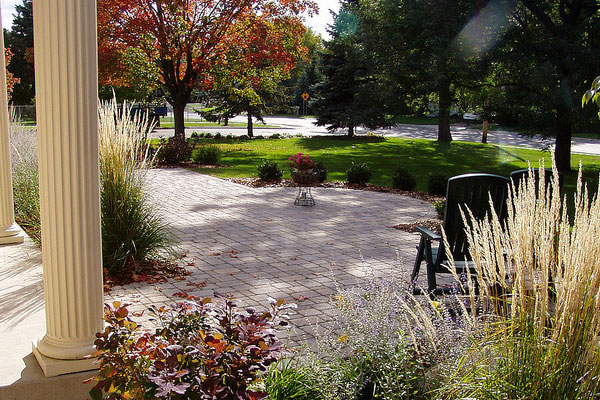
185,39
11,81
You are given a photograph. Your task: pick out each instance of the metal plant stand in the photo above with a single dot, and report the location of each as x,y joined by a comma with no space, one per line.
305,181
304,196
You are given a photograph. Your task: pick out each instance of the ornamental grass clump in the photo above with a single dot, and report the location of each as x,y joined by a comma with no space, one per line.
538,278
26,192
133,231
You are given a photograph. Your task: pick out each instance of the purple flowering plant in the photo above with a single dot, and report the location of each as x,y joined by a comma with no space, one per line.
301,162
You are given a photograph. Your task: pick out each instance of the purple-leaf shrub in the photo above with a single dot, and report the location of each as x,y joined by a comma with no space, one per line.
200,350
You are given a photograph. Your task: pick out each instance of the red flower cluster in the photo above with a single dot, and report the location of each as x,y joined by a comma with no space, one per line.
301,162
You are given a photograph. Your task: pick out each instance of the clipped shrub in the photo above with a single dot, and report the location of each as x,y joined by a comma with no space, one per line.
275,136
403,179
201,350
207,154
229,136
173,151
436,184
208,135
440,208
218,135
259,137
133,231
244,137
358,174
269,171
322,170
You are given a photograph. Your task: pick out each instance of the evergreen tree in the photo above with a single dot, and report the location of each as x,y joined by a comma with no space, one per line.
350,94
20,40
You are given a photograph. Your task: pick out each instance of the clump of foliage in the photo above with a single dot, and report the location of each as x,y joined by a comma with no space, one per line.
378,346
541,327
269,171
173,151
436,184
133,231
301,162
218,135
403,179
26,192
440,208
208,135
322,171
275,136
208,154
200,350
290,379
358,174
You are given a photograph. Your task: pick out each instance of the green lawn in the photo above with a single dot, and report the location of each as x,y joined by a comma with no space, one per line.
421,157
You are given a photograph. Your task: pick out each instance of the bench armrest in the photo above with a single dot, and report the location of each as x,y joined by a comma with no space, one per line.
427,233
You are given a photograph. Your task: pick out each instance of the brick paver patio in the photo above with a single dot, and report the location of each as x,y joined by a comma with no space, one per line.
254,243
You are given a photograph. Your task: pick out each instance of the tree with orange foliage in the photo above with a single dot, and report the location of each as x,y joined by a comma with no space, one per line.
186,39
11,81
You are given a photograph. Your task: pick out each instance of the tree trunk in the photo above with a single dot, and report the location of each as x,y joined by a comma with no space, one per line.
350,130
564,131
250,128
178,117
226,120
445,102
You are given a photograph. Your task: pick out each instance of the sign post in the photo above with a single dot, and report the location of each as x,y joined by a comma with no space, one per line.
305,97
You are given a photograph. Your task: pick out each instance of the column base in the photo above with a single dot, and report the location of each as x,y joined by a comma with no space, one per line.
54,367
13,235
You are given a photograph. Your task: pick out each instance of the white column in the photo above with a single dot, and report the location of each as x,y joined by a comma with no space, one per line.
66,75
9,231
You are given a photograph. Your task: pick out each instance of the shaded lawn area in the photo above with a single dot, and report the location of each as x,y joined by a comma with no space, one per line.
420,156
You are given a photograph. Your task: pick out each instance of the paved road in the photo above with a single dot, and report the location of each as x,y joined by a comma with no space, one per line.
306,127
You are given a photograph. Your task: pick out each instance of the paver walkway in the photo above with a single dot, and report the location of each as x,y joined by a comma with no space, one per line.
254,243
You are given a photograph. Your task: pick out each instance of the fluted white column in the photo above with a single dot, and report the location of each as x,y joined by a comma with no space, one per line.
9,231
66,76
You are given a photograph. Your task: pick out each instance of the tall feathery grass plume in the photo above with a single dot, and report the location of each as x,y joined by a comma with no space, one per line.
535,297
25,180
133,230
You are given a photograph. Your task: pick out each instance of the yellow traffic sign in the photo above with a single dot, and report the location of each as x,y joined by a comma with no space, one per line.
305,96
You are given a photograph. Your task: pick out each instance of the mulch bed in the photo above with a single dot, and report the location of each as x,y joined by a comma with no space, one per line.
259,183
150,272
433,224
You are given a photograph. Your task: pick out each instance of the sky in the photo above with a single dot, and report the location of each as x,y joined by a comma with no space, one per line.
318,22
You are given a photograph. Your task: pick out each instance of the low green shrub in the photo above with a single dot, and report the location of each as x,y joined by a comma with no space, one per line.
275,136
403,179
207,154
218,135
436,184
358,174
229,136
173,151
269,171
440,208
258,137
208,135
201,350
322,171
244,137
